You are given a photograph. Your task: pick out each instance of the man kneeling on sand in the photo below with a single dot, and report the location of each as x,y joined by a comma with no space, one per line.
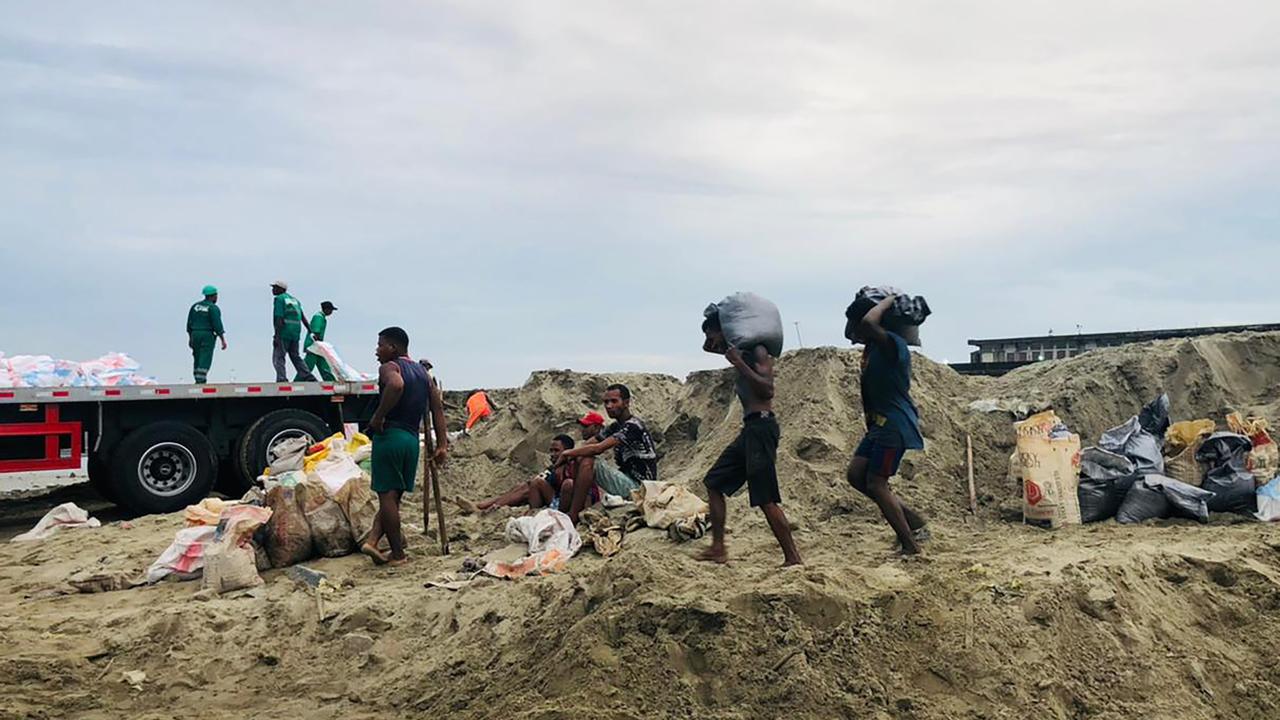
552,488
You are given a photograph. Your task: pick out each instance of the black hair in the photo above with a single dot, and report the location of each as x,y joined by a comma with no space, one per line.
564,440
623,390
396,335
711,323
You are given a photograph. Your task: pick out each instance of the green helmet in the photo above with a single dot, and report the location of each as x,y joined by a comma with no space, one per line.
209,290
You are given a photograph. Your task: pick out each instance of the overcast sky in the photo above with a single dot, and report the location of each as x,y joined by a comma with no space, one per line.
555,184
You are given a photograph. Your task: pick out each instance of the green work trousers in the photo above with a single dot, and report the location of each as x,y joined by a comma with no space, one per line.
315,363
202,353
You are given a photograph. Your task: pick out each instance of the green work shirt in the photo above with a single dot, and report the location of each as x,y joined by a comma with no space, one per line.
288,307
318,324
204,318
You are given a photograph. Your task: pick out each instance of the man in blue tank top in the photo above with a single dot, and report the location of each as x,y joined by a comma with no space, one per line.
405,393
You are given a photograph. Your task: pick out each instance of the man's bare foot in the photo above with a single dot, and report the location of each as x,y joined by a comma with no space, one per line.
714,555
374,554
467,507
398,561
792,562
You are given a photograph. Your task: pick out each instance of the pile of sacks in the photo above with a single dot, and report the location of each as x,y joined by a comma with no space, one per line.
31,371
312,504
1148,468
320,497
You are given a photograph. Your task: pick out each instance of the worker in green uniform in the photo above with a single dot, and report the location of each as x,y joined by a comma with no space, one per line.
319,323
288,320
204,325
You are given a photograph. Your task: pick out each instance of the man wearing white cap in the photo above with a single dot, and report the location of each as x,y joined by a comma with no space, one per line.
289,320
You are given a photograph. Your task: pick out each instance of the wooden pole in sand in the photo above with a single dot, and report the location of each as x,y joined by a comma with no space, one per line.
973,493
430,478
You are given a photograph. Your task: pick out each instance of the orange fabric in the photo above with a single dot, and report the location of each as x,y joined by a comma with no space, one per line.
477,408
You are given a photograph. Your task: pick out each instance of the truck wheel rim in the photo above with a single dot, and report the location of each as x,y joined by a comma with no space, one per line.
283,435
167,469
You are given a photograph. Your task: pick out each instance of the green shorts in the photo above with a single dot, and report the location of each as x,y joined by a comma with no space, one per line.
395,460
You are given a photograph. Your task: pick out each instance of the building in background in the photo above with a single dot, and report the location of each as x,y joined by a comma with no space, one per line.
998,356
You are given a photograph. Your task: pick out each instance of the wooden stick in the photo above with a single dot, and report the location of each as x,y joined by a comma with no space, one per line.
431,479
444,534
973,493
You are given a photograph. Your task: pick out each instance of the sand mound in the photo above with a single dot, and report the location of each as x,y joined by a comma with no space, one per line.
999,621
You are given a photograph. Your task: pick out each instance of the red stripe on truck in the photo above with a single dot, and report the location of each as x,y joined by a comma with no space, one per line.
285,388
369,387
6,395
61,393
255,389
112,393
209,390
162,391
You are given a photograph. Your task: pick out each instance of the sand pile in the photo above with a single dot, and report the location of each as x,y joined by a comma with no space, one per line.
998,621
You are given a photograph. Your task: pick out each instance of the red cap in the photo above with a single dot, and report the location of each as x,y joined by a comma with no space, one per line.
592,418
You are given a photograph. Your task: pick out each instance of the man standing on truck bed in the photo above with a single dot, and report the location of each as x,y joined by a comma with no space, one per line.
406,393
288,320
204,325
319,323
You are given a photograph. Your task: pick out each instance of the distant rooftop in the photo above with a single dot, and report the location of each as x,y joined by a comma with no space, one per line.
1136,335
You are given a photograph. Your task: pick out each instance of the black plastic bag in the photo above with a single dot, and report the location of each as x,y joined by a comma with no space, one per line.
1099,464
1184,500
1143,502
1101,498
1140,446
1233,490
1224,449
1154,418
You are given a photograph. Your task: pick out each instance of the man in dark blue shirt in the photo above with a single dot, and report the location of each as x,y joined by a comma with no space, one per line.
893,424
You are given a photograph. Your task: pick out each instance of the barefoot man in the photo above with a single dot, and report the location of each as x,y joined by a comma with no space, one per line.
893,424
404,396
751,459
552,488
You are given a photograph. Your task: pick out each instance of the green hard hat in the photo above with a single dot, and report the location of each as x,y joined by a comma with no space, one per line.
209,290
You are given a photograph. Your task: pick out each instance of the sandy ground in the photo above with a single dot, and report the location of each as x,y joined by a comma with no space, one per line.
999,620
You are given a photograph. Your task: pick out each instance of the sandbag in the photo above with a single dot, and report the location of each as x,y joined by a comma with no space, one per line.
1224,449
1184,500
1185,467
1050,468
1099,464
358,503
749,320
288,534
1143,502
330,531
288,455
1135,443
1154,417
1268,499
1182,435
228,567
1233,490
1101,498
1264,458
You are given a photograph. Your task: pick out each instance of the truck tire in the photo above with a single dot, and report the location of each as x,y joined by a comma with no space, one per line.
255,446
100,478
163,467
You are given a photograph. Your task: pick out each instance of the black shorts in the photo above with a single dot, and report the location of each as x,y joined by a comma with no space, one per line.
751,459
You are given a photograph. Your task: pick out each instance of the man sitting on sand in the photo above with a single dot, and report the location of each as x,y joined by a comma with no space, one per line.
633,451
893,424
552,488
751,459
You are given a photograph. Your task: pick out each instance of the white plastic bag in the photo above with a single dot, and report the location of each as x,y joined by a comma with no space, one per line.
1269,501
66,515
548,530
749,320
288,455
